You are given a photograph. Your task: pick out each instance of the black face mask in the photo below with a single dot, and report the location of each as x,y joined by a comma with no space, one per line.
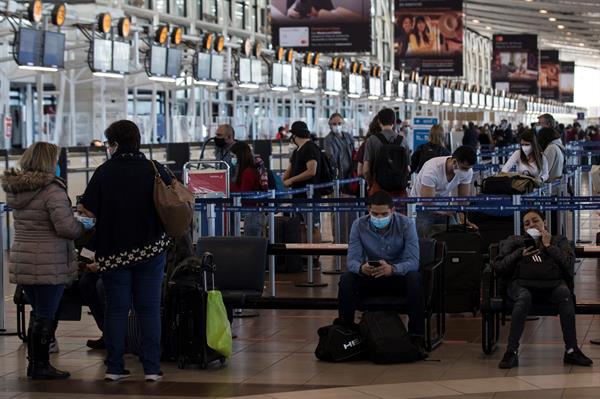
220,142
293,140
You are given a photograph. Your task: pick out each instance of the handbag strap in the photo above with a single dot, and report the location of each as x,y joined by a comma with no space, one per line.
169,174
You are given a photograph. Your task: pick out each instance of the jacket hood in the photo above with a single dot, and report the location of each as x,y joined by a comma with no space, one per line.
22,186
558,142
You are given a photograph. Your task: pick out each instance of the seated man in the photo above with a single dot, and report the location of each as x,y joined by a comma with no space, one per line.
383,259
538,265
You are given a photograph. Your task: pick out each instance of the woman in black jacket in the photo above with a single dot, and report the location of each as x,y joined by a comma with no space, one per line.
130,245
433,148
538,266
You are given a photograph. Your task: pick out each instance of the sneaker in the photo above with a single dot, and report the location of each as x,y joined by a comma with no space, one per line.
117,377
577,358
53,347
509,360
96,343
154,377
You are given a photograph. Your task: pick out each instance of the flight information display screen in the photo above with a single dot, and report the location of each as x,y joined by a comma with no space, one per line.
102,53
29,47
54,50
120,62
158,61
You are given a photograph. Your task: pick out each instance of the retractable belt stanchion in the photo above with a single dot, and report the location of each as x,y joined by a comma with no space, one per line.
309,238
272,241
3,330
237,221
576,212
517,221
337,233
211,219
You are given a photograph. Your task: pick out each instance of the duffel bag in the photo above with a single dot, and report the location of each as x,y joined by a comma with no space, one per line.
387,339
340,343
509,184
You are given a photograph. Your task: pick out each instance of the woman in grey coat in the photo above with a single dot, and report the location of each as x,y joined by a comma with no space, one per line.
42,257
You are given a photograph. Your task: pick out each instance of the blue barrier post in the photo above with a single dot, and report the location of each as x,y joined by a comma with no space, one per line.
337,233
272,241
237,221
517,222
576,221
309,239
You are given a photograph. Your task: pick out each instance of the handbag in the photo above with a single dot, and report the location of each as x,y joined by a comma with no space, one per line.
218,329
174,204
538,272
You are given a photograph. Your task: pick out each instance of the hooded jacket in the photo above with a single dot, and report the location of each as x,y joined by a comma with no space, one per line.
43,250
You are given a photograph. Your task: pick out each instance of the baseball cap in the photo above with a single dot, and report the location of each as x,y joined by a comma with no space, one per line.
300,129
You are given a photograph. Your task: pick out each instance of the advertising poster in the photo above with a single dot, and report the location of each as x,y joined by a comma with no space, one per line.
515,64
421,127
322,25
428,36
549,74
567,81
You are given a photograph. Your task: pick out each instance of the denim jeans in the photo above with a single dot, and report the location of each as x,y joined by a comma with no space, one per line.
523,298
254,224
141,283
354,287
44,299
91,288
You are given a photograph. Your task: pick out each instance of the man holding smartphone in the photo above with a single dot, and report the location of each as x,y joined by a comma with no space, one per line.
383,260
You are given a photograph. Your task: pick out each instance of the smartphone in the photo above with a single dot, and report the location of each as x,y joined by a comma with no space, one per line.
529,242
374,263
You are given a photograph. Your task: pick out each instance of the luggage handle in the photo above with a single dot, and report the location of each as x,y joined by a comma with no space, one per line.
464,224
208,265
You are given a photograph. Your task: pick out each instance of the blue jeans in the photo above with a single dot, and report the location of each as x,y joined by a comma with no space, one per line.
141,283
44,299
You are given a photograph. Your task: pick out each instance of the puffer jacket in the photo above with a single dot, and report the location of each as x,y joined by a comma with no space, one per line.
43,250
510,252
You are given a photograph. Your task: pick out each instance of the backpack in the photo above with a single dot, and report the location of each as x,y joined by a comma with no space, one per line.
263,174
339,343
509,184
391,165
427,152
387,339
327,173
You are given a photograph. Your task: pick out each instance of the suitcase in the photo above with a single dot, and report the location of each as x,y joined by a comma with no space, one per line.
184,338
462,268
288,230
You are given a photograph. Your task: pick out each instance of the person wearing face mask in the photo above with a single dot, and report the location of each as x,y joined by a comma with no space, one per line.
528,160
383,257
339,145
224,140
443,177
503,135
42,257
130,246
538,267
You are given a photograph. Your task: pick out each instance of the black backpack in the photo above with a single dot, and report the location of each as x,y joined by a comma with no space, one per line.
387,339
340,343
391,165
429,151
327,173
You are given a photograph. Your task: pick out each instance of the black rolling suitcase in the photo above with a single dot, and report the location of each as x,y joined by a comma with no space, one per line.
184,332
288,230
462,268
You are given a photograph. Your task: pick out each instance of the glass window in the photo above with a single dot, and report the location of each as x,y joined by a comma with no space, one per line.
160,5
239,14
178,7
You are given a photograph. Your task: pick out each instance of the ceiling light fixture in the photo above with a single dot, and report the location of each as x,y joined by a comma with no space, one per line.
475,21
543,12
488,27
561,27
552,19
108,75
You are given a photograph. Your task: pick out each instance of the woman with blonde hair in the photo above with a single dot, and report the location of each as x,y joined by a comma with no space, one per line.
435,147
42,257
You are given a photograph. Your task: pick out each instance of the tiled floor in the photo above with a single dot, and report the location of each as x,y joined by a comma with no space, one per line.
274,359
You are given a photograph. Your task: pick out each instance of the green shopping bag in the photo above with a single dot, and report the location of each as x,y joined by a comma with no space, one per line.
218,329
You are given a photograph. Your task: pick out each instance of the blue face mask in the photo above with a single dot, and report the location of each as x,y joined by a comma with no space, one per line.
234,162
381,223
57,170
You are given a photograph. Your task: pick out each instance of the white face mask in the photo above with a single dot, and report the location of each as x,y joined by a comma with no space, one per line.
526,149
337,129
460,173
535,233
538,128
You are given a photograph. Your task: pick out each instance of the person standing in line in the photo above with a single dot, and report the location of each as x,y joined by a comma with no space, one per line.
130,247
528,160
224,140
42,258
339,146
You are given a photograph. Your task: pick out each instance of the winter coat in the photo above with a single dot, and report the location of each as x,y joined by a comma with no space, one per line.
43,250
510,252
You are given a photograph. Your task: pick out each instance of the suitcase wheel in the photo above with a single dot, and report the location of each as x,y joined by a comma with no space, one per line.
222,361
181,363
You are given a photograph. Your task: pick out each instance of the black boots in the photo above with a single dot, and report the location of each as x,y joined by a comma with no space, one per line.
39,368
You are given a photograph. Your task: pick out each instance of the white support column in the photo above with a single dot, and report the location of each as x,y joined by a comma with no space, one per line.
61,138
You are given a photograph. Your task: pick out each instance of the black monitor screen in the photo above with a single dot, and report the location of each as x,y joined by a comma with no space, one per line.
245,72
174,62
54,50
217,64
29,47
257,71
203,66
158,61
102,52
121,52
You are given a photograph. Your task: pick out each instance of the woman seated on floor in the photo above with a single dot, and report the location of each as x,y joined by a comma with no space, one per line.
538,266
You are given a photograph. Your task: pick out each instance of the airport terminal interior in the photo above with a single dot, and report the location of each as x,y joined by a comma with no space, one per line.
315,159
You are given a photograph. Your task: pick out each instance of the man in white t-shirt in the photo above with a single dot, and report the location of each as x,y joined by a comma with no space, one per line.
443,177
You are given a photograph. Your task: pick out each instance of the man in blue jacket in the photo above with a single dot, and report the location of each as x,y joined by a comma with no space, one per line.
383,260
